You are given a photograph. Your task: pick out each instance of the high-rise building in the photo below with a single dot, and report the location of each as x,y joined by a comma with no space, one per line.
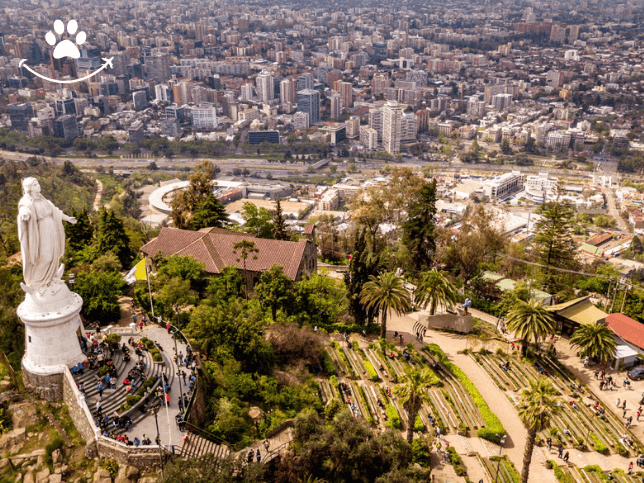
90,59
336,107
287,92
140,100
346,91
163,92
501,101
65,106
265,89
20,114
66,127
308,101
204,116
378,84
136,132
392,114
157,67
305,81
247,92
375,121
353,127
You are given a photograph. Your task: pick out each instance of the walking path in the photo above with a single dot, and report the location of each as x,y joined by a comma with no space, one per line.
498,402
99,194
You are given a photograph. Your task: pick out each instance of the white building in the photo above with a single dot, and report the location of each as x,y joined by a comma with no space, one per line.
301,120
369,137
537,187
392,115
408,126
265,90
204,116
247,92
503,186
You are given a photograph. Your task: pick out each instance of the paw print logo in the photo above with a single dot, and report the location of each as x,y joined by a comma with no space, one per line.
66,48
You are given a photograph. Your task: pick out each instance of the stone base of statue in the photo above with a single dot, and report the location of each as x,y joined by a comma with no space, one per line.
51,318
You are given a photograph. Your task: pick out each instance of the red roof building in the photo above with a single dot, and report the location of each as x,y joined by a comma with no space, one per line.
214,248
628,329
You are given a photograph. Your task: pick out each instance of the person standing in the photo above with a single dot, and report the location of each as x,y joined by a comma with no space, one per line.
566,456
560,450
258,455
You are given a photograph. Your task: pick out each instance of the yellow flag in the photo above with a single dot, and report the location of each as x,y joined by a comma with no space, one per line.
140,273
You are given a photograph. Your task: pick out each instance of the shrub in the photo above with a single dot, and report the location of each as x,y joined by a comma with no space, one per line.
333,407
420,452
132,399
113,339
393,417
419,427
56,443
149,382
560,475
103,370
370,370
493,430
334,381
456,461
598,446
327,363
112,467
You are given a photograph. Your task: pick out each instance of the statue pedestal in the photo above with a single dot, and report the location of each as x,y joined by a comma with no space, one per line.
51,318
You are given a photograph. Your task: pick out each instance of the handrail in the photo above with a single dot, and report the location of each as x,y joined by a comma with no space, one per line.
206,435
289,423
275,452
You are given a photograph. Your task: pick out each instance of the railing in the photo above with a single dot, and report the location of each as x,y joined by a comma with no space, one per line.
275,452
206,435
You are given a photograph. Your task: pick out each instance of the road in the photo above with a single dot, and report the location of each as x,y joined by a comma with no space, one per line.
612,209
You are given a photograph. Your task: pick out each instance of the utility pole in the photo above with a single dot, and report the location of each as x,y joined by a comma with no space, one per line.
624,301
612,306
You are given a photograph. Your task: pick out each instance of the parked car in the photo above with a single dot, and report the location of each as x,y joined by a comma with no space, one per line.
636,373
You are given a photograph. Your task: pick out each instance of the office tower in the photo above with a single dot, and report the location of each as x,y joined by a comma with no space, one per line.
65,106
379,83
375,121
66,127
136,132
204,116
90,59
346,91
20,114
308,101
265,89
305,81
336,107
157,67
323,69
501,101
391,127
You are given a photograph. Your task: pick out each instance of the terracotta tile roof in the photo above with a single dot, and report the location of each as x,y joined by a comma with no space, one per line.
215,248
599,239
628,329
308,229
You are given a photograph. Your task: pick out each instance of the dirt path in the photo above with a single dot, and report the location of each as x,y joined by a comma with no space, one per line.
99,195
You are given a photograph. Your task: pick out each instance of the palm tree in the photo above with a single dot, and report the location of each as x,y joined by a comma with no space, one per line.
538,405
384,293
411,393
435,289
247,248
596,340
530,320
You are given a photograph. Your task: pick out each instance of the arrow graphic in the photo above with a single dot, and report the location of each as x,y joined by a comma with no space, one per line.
108,62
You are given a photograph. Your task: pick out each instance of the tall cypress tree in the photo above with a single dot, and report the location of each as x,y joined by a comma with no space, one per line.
209,212
280,232
363,263
79,235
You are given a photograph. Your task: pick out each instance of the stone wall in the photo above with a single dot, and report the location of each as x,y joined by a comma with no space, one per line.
46,386
457,322
78,409
145,458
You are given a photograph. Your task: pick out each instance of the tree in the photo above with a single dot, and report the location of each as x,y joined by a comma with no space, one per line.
435,289
636,245
80,234
530,320
362,265
319,299
208,213
411,393
111,237
228,285
553,241
275,290
596,341
100,292
186,202
538,406
245,248
258,221
213,470
279,230
384,293
418,228
505,147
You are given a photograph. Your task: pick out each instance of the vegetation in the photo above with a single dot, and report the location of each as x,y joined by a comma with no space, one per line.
435,290
411,392
530,320
538,406
595,341
384,293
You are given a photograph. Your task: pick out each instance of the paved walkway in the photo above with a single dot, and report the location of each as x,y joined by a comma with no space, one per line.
496,399
168,429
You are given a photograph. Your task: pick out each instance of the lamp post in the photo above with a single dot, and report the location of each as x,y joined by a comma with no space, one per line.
498,464
154,411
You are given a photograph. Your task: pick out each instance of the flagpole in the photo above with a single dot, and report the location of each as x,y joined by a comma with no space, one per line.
147,277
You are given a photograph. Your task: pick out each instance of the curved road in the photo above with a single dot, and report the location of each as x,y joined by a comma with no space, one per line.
612,209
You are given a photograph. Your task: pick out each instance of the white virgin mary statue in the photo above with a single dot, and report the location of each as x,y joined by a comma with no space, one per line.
42,237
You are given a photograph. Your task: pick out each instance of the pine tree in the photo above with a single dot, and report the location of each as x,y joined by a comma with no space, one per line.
279,230
79,235
208,213
111,237
418,229
553,241
186,202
